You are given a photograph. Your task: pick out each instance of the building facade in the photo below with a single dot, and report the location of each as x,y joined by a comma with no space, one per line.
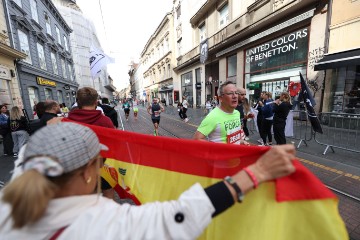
47,72
9,84
341,63
158,61
259,45
82,38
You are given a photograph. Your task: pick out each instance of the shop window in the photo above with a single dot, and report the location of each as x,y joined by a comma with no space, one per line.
176,96
34,13
60,98
346,90
41,56
231,63
187,87
48,94
33,96
24,45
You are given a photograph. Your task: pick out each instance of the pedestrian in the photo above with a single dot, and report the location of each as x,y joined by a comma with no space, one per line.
109,111
87,99
18,127
208,107
179,109
154,110
243,115
126,107
64,110
248,115
223,125
5,130
135,108
267,120
185,106
214,102
52,109
54,195
281,110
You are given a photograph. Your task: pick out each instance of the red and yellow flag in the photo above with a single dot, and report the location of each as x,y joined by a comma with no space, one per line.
147,168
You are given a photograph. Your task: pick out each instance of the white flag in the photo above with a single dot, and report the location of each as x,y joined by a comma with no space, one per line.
98,60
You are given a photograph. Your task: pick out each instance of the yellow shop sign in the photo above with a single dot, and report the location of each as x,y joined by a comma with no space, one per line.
45,82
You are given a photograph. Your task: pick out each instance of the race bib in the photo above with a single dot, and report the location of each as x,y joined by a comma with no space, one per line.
234,138
157,113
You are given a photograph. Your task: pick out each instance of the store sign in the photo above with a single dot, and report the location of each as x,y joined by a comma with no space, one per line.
253,86
279,46
198,85
45,82
5,72
66,87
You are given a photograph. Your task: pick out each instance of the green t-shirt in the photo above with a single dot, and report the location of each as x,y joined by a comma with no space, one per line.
223,127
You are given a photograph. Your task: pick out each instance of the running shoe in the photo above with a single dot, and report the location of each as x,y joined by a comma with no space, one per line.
154,133
15,154
186,120
260,141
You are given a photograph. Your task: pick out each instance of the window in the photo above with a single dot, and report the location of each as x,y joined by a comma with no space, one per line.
178,12
48,94
202,32
24,45
69,71
33,96
66,43
187,87
18,2
60,98
224,15
179,47
34,13
166,45
47,22
41,56
231,63
63,67
58,34
54,63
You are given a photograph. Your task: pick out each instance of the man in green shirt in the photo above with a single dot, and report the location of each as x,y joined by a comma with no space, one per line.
223,124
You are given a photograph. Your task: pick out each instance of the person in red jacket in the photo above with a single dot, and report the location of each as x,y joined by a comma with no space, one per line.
86,113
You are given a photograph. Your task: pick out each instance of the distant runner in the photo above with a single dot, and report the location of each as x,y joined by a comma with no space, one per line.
126,107
154,110
135,108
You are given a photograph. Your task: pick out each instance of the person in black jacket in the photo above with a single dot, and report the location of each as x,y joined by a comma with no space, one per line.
18,127
109,111
52,109
281,110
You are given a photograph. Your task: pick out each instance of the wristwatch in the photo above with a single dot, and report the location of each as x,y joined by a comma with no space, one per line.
239,193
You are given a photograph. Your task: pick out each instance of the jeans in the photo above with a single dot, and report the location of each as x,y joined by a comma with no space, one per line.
20,138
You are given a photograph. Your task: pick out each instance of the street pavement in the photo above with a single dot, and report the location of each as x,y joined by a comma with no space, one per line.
340,171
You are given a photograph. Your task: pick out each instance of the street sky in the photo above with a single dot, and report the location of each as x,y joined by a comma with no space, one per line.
123,28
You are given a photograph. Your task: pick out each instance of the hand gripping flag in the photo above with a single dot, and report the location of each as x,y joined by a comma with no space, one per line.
146,168
310,103
98,60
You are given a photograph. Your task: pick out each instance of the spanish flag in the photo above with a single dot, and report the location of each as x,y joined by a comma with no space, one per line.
147,168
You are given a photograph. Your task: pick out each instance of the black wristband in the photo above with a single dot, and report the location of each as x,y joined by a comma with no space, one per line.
239,193
220,197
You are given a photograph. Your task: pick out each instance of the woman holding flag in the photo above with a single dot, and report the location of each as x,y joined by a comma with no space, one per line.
62,185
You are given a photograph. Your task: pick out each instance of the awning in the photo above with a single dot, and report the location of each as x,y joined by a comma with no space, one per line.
337,60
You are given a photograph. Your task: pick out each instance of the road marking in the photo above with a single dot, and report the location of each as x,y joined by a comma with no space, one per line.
334,170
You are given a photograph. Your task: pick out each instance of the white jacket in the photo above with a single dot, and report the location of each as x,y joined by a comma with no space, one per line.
96,217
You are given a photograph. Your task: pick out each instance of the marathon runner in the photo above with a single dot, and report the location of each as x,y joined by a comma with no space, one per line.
126,107
135,108
154,110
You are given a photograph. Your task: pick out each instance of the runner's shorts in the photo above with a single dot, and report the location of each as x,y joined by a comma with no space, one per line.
155,121
127,111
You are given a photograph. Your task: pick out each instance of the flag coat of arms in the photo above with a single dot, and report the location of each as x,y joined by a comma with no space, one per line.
147,168
98,60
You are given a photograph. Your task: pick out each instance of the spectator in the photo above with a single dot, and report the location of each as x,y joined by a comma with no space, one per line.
5,130
281,110
61,184
109,111
18,127
52,109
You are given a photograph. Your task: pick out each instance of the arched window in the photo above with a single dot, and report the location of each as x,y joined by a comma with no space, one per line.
60,97
48,94
33,96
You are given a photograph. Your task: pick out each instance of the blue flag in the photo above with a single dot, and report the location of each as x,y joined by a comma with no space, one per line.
310,103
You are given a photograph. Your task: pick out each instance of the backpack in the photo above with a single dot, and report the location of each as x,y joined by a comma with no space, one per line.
267,109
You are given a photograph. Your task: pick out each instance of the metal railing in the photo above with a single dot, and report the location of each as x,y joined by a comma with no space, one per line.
340,130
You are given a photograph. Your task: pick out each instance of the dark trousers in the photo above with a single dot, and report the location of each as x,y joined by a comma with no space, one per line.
279,132
246,130
8,144
184,113
266,130
181,114
259,123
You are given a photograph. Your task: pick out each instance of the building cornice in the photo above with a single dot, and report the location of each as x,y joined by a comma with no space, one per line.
11,52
